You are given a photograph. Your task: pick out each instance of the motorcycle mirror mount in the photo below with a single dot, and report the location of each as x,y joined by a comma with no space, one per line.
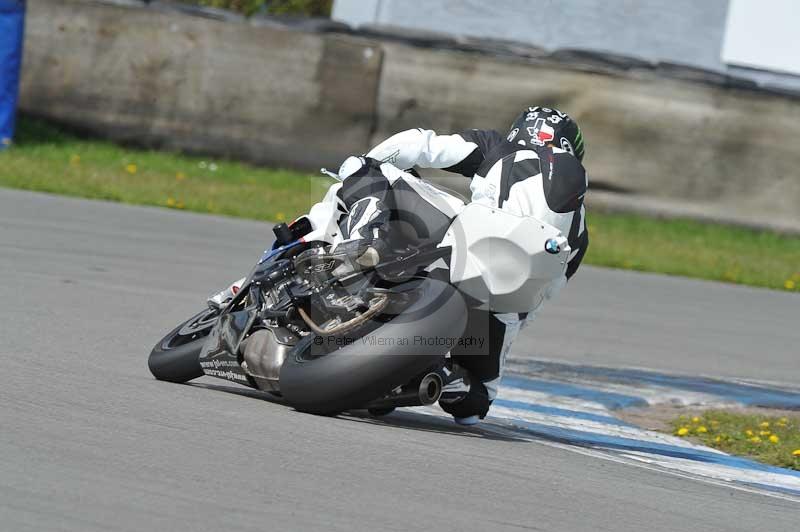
330,174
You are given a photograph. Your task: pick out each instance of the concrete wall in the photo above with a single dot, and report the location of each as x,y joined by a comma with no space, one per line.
165,79
281,97
645,135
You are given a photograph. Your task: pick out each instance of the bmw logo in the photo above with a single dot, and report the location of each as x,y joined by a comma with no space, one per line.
552,246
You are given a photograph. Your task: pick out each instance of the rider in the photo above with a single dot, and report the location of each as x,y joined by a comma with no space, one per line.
535,170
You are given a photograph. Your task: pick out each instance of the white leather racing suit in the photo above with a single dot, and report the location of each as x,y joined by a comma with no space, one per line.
548,184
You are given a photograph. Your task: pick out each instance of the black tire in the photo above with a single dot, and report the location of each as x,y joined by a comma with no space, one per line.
176,358
352,376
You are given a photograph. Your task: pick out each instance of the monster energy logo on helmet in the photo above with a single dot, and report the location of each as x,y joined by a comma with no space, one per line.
542,126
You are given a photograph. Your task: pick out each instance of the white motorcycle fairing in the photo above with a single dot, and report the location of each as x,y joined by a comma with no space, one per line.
509,263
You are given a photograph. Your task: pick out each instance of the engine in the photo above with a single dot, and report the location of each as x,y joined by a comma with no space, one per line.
315,292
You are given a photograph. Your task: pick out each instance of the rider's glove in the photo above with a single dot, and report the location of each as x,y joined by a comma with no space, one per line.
365,252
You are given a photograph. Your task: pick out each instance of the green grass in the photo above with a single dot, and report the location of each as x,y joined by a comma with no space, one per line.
769,439
47,159
695,249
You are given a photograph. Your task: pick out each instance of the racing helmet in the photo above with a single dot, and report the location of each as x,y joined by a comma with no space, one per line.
542,126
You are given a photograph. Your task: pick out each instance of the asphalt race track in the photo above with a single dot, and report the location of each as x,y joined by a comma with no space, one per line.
90,441
619,318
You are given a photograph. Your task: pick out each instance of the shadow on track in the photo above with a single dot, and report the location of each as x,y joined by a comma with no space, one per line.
236,390
398,419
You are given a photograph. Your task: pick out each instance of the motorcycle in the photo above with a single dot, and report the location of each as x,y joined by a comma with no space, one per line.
311,325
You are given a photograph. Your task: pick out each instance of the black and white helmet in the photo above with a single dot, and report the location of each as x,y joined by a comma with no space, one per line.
542,126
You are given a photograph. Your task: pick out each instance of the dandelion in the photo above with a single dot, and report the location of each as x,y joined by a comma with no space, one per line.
748,433
764,433
702,429
774,438
170,202
796,452
718,439
213,167
764,425
783,420
730,276
789,284
755,439
131,168
683,431
180,176
75,160
695,419
179,205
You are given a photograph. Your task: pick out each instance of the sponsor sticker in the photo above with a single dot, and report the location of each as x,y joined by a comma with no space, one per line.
391,159
566,146
541,133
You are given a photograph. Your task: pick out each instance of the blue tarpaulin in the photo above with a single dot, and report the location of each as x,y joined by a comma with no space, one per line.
12,28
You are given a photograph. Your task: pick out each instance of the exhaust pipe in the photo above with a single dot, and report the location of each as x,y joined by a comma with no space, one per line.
426,392
430,389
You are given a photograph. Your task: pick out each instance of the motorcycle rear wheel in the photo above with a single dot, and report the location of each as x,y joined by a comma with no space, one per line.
363,370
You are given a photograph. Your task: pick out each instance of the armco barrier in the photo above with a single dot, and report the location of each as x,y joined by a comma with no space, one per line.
254,90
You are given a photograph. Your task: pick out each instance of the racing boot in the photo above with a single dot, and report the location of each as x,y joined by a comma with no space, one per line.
463,397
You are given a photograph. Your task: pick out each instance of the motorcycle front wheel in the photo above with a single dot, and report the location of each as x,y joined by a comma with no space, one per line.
176,358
